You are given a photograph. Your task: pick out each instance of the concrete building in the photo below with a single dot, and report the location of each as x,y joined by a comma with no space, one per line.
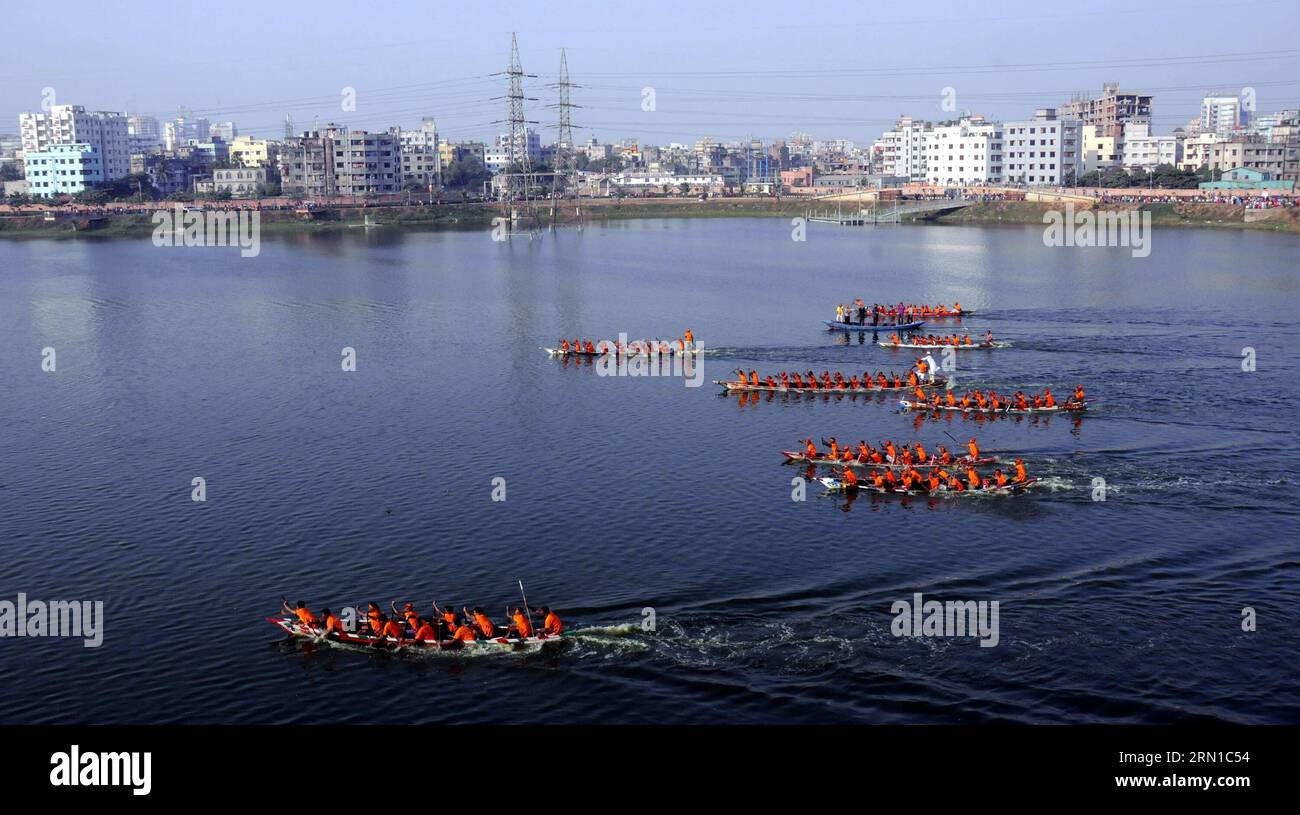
366,163
63,169
1244,178
210,151
246,151
641,182
421,157
1101,150
1110,111
240,182
1042,151
184,129
964,154
497,157
307,165
226,131
1142,151
143,134
105,131
902,150
1221,114
1224,155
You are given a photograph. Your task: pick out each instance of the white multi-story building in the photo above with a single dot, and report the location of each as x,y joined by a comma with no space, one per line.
63,169
105,131
903,149
1043,150
1221,114
1143,151
497,157
964,154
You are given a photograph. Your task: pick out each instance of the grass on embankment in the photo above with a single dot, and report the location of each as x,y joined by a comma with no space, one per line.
479,216
1282,219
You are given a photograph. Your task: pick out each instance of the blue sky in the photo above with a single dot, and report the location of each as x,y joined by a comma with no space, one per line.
731,70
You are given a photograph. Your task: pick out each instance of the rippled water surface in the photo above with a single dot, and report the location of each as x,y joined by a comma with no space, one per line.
625,493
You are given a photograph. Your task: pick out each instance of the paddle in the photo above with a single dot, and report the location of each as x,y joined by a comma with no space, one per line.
527,610
437,611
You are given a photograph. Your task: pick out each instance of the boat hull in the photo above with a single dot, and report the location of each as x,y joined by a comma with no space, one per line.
832,325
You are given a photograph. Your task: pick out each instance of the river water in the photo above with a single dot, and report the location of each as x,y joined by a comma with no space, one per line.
627,493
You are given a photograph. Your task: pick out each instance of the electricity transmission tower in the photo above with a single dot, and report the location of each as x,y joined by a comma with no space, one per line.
517,179
565,180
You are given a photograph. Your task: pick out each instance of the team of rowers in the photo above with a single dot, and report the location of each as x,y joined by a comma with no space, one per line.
931,339
937,475
880,314
410,625
837,381
585,346
992,400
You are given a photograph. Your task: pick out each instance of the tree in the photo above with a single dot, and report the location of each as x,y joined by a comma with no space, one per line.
466,172
91,196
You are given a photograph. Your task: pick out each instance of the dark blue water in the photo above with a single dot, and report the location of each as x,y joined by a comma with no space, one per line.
632,492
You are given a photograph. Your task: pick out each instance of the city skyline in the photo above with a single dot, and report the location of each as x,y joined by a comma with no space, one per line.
721,82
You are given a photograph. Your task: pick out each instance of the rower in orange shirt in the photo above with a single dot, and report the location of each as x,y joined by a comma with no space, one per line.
690,337
450,620
974,450
519,624
849,478
424,632
973,478
303,614
1078,393
373,616
564,346
333,625
391,629
482,620
1000,477
1048,399
551,625
1021,475
810,449
465,633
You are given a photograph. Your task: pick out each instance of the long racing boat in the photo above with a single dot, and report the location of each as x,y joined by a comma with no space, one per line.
732,385
858,461
295,628
1064,407
975,346
835,485
837,325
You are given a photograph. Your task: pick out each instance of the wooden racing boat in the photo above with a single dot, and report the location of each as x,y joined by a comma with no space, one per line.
977,346
835,485
732,385
629,351
957,461
837,325
1064,407
293,627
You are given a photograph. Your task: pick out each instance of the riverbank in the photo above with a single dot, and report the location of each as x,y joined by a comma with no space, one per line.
478,216
1281,219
